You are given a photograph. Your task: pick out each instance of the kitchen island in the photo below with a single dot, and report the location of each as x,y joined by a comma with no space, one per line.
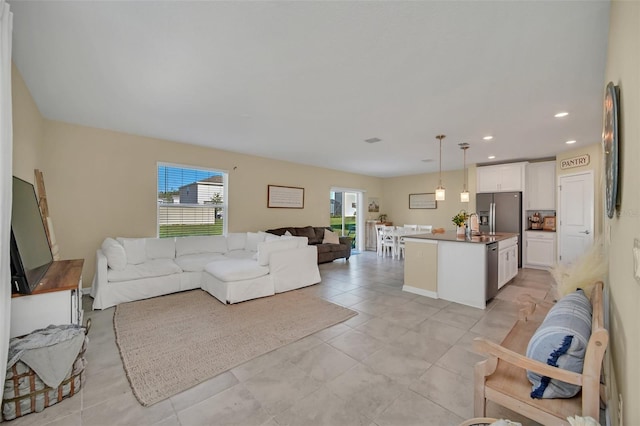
461,269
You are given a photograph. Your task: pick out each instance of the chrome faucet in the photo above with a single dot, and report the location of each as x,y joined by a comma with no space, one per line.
473,225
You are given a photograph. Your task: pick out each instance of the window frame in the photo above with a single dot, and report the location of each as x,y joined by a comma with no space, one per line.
225,189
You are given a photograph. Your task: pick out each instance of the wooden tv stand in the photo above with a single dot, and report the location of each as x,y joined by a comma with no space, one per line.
56,300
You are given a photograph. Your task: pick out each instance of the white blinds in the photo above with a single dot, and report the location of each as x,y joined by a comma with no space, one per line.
191,201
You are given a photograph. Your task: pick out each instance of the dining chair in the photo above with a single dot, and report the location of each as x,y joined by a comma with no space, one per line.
426,228
389,241
412,227
379,229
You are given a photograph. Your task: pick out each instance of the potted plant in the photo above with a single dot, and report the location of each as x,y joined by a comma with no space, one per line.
459,220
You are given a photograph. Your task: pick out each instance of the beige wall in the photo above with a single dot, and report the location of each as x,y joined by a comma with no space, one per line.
595,164
28,129
102,183
396,195
623,68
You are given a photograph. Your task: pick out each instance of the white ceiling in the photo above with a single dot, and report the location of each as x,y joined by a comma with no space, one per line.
308,82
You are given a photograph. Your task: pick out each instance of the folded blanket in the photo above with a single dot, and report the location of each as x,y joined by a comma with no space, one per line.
50,352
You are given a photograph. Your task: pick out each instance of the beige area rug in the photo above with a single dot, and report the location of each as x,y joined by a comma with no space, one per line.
171,343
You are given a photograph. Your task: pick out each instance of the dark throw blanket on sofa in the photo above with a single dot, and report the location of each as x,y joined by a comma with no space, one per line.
315,234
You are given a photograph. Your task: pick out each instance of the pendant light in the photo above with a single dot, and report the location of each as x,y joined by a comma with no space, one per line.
440,189
464,195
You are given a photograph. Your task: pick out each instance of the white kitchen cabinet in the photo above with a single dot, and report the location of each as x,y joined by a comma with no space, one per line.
507,260
541,186
540,249
501,178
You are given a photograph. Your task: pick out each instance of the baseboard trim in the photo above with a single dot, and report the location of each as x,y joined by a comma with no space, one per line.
420,291
86,291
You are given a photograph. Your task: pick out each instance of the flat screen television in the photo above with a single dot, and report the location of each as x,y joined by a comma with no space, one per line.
30,251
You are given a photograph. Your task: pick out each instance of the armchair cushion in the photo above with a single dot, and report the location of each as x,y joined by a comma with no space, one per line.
561,341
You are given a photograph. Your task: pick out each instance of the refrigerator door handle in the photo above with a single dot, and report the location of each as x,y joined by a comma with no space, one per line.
492,218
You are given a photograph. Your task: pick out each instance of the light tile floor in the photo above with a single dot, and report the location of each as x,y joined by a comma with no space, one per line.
404,360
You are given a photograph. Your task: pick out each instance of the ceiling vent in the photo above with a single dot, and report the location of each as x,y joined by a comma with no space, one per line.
372,140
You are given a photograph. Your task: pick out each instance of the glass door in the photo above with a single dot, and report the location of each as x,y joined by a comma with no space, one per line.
344,209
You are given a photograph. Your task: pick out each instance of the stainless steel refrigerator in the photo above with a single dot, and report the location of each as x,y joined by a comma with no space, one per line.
501,212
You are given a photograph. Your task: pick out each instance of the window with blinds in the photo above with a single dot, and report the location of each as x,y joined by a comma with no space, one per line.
191,201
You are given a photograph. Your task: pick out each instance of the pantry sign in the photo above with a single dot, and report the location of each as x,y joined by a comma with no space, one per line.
580,161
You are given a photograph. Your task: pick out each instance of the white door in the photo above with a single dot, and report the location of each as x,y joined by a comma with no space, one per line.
575,207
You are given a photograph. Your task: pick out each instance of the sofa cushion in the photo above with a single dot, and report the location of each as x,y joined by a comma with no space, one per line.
270,237
236,270
241,254
308,232
115,254
160,248
265,248
281,231
337,247
320,233
561,341
323,248
330,237
135,249
147,269
201,244
197,262
253,238
236,240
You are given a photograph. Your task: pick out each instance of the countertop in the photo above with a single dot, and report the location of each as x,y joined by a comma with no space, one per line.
451,236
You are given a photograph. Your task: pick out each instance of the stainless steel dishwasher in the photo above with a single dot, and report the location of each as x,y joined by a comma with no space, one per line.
491,288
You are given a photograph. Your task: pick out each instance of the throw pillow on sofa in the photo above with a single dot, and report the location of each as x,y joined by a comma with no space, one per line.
115,254
160,248
136,250
236,240
253,238
561,341
330,237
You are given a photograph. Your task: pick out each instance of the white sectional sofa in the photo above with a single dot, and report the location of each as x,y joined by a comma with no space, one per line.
233,268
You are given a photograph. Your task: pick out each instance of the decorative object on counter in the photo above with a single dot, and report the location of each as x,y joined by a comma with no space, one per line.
382,218
437,231
464,195
440,193
549,223
473,224
536,222
459,220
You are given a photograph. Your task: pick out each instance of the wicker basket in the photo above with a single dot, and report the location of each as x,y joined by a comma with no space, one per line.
25,392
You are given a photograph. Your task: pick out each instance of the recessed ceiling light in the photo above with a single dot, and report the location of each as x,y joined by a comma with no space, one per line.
491,157
372,140
570,142
488,138
561,114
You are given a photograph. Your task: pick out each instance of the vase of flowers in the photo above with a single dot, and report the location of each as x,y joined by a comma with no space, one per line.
459,220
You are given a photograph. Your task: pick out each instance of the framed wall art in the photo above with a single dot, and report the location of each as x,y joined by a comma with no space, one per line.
285,197
426,200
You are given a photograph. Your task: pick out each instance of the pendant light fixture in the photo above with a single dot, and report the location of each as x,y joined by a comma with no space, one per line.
464,195
440,189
